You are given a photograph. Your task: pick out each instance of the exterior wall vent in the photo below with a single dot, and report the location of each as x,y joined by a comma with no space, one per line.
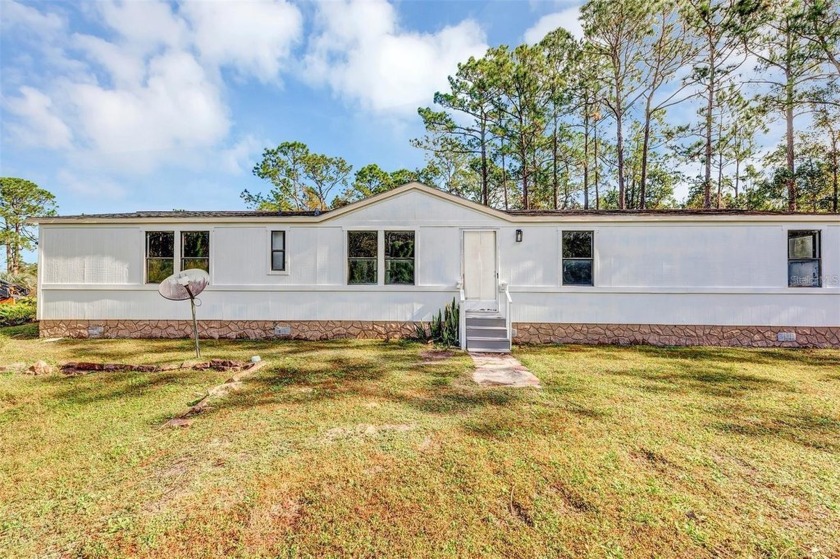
282,331
95,331
786,337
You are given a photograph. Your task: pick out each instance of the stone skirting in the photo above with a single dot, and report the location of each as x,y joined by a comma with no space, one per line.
526,332
675,335
230,329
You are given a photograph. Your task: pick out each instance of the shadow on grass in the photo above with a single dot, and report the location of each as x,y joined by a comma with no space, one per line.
98,388
729,355
454,400
811,430
752,356
21,332
678,375
319,373
711,371
332,369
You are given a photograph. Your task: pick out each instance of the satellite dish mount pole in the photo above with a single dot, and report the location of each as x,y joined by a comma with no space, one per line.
195,323
187,284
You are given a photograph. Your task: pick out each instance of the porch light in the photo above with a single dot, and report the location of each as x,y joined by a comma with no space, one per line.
519,235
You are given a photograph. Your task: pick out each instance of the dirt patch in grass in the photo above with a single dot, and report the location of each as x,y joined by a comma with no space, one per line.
218,392
521,513
651,457
572,499
366,430
431,356
286,512
82,367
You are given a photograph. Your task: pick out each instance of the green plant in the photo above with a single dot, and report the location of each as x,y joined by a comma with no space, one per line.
20,312
443,328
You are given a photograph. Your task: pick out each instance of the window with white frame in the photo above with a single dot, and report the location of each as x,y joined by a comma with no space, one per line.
399,257
278,251
577,257
362,257
368,252
804,260
160,255
195,250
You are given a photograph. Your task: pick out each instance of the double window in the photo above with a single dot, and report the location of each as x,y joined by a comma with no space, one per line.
804,259
363,259
577,257
160,253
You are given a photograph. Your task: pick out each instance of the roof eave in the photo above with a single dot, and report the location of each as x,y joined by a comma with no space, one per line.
689,218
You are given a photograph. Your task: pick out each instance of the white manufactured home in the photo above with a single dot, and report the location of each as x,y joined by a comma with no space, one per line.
377,267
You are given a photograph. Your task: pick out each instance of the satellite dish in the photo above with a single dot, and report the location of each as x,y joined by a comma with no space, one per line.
184,285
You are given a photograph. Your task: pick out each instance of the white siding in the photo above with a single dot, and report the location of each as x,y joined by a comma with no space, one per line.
534,261
240,256
414,208
655,272
688,256
288,304
438,260
99,255
732,309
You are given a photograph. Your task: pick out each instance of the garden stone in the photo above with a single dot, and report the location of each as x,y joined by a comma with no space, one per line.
41,368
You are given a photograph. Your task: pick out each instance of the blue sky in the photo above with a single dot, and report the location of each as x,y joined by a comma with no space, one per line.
120,106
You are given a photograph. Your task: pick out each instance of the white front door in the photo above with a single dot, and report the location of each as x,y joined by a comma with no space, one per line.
480,270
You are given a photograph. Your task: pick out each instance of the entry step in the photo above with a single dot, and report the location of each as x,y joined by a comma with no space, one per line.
487,332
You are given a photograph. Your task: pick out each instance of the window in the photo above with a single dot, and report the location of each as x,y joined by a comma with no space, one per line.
195,250
362,257
399,257
577,257
278,251
804,259
160,255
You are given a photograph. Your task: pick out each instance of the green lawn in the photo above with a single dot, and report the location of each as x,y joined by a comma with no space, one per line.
358,448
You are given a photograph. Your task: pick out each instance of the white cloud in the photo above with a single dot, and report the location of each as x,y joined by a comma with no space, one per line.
255,37
240,157
125,69
144,26
37,124
148,90
567,19
133,86
16,14
176,107
360,51
90,186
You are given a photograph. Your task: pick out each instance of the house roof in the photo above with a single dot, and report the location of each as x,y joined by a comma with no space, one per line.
658,211
514,216
175,214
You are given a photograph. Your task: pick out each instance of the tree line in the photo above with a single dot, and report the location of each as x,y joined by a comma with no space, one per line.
20,200
657,94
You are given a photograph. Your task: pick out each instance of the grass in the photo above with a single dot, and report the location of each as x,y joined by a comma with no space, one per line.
362,449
